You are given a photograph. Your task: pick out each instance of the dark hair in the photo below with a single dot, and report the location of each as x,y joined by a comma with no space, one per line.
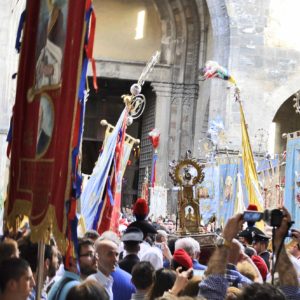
171,245
132,246
29,252
149,239
7,248
84,242
257,291
143,275
92,234
249,251
12,268
88,290
164,280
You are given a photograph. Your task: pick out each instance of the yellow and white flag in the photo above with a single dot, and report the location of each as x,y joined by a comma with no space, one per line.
251,179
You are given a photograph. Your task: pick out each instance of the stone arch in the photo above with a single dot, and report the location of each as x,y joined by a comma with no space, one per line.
278,106
282,110
283,93
180,38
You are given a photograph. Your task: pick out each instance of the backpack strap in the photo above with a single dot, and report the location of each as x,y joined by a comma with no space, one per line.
61,286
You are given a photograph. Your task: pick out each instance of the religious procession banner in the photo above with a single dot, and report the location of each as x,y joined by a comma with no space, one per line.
292,177
239,206
92,202
158,202
209,193
125,146
228,169
251,178
268,171
47,116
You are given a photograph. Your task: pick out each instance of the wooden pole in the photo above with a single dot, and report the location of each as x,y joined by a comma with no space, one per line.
40,270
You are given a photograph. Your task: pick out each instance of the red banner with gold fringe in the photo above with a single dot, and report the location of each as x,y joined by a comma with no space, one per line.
47,116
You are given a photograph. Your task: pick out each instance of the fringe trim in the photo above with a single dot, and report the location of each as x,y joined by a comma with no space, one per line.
45,229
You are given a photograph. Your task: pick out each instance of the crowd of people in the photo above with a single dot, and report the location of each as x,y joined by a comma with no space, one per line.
149,263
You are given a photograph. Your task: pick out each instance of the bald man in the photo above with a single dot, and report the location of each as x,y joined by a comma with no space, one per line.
107,262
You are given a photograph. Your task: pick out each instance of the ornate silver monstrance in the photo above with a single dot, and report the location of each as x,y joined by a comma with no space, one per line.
186,174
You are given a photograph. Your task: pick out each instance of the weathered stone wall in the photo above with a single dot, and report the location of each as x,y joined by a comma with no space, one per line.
242,36
264,58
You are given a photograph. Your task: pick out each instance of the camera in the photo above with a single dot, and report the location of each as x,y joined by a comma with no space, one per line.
252,216
271,217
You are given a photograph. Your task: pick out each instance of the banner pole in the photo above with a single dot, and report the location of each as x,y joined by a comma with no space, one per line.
40,270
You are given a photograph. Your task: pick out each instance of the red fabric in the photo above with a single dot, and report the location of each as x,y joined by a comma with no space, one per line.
118,177
261,265
140,208
182,258
40,180
252,207
154,140
111,214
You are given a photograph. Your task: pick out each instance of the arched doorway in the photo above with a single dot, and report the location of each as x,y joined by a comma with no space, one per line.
182,31
107,104
286,120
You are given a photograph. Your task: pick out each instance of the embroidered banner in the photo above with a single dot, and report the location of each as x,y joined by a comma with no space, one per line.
268,171
92,196
47,115
158,202
228,188
292,177
208,194
110,216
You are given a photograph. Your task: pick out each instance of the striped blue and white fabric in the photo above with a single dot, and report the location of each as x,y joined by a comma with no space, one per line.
93,191
292,178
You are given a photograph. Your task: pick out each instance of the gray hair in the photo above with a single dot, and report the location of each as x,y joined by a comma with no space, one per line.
196,245
186,244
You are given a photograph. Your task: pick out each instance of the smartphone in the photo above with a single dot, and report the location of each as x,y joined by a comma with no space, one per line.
252,216
198,272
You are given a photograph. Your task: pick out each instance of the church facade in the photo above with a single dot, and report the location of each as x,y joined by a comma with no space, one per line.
253,39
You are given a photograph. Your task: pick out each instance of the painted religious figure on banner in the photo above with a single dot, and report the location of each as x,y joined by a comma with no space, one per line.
45,124
50,46
228,189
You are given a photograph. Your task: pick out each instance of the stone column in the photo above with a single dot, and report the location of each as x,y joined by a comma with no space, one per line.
176,99
188,118
162,122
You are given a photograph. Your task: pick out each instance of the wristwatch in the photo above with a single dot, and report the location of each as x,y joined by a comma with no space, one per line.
220,242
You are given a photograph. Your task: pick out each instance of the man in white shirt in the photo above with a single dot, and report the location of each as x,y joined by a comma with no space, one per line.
107,262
